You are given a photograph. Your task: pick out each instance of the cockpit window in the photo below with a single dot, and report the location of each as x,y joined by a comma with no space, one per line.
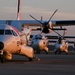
8,32
14,33
2,32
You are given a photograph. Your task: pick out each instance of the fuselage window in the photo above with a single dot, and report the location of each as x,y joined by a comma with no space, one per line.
1,32
8,32
14,33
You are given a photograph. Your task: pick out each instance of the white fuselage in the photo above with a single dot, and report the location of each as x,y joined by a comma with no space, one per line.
12,43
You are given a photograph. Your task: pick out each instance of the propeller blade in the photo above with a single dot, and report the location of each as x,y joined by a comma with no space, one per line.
52,15
36,19
56,32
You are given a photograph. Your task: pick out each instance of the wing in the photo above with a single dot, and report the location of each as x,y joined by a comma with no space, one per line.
17,23
54,38
63,22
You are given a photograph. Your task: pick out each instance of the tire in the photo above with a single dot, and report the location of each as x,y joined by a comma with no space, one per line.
30,59
1,59
46,52
56,51
38,51
59,52
66,53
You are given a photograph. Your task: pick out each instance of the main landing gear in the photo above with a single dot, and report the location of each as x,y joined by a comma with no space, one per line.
1,56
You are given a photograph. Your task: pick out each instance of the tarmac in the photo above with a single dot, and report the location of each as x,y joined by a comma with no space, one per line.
47,64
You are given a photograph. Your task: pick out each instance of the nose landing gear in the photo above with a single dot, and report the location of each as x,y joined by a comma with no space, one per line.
1,56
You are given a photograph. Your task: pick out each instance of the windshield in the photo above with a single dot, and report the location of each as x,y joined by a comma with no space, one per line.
1,32
8,32
5,32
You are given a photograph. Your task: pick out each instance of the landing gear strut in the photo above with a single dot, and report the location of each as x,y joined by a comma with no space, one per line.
1,56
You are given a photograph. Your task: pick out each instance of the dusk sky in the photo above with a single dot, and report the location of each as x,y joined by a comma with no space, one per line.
66,9
38,8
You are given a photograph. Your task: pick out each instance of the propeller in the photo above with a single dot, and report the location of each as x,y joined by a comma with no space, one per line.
45,25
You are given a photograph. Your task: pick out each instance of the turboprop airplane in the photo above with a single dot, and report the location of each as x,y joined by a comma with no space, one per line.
46,26
10,43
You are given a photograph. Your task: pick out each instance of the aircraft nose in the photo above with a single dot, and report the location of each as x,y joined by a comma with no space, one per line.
1,45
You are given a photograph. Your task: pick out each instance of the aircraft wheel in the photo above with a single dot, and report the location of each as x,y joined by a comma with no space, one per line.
38,51
56,52
30,59
59,52
46,52
66,53
1,59
1,56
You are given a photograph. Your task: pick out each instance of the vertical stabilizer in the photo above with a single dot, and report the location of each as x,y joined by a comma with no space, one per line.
18,11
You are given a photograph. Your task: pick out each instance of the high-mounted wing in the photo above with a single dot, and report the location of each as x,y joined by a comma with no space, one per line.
63,22
56,37
17,23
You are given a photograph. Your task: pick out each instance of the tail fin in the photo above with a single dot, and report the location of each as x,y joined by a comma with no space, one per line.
18,11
